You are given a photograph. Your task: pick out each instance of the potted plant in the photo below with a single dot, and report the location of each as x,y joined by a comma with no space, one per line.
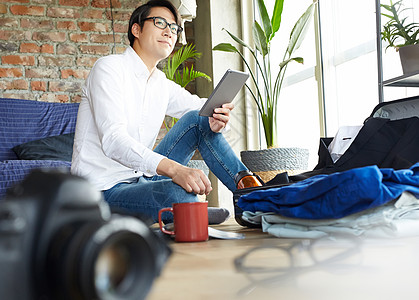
268,88
401,35
176,71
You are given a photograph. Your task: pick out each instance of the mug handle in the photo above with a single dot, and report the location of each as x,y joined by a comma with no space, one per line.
161,223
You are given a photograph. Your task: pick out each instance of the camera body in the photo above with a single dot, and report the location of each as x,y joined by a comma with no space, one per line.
59,240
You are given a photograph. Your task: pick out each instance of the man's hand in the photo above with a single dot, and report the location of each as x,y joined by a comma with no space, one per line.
191,180
220,117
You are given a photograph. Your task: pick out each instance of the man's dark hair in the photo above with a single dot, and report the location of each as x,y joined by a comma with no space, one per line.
143,11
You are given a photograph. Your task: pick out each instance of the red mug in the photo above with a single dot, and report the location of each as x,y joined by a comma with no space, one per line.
190,221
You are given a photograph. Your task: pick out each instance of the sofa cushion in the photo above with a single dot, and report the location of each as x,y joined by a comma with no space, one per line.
13,171
58,147
22,121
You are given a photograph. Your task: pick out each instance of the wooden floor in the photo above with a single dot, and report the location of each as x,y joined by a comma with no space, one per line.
344,269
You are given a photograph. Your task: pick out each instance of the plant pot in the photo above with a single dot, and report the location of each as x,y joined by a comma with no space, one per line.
268,163
409,57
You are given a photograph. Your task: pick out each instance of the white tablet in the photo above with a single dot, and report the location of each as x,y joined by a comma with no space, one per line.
225,91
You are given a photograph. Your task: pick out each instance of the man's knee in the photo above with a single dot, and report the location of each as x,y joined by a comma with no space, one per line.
193,117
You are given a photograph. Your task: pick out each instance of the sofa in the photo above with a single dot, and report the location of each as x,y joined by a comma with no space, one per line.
34,135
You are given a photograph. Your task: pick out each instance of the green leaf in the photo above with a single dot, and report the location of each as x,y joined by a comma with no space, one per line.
300,30
238,40
185,75
297,59
189,75
266,22
276,16
184,53
226,47
260,39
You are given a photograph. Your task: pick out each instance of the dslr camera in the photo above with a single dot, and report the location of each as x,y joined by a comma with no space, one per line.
59,240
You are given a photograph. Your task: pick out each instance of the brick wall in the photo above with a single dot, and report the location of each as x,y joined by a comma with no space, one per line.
49,46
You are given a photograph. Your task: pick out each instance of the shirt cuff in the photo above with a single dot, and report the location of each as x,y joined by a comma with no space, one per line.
152,160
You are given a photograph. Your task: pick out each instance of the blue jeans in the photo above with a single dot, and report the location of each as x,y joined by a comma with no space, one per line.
148,195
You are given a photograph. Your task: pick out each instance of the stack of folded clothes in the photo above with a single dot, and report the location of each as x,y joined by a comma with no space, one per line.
365,201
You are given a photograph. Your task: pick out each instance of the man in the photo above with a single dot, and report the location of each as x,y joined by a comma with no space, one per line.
123,105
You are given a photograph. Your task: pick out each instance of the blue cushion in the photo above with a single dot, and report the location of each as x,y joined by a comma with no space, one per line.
58,147
13,171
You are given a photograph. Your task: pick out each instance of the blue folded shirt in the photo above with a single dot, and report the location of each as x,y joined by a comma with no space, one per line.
336,195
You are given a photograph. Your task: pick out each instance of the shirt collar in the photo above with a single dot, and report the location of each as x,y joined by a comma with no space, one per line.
139,67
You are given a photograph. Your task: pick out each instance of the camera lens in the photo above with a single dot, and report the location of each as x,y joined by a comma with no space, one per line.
112,267
106,261
122,267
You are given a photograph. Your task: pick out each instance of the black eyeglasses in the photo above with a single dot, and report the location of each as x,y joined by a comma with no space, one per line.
161,23
271,265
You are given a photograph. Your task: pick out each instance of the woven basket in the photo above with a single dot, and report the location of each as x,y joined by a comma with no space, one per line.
268,163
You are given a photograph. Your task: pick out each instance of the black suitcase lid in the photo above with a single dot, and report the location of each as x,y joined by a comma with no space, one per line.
397,109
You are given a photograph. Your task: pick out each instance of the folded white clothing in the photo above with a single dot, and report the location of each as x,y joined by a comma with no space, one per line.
398,218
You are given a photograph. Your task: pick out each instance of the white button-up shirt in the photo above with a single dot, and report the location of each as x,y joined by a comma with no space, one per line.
119,118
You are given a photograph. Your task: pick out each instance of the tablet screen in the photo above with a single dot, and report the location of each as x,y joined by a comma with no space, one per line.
224,92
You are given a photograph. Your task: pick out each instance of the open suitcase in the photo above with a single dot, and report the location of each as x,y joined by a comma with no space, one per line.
389,138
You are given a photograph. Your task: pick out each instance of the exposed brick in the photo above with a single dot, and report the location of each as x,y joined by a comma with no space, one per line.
47,48
119,15
79,37
53,97
90,26
125,39
3,8
76,99
49,36
18,1
18,95
18,60
61,12
39,86
18,84
12,35
69,25
101,50
133,4
35,23
29,48
9,22
66,49
27,10
11,72
105,3
104,38
55,60
49,2
64,86
74,2
41,73
93,13
8,47
81,74
121,28
120,50
86,61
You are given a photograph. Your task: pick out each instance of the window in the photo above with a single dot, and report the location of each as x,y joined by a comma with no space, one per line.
298,106
344,55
